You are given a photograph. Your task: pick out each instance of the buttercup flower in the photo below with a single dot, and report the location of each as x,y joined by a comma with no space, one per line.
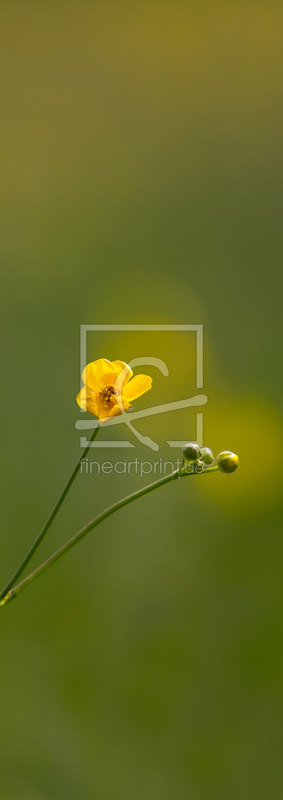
108,389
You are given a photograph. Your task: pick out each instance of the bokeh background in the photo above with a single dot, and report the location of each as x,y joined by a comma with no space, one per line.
141,182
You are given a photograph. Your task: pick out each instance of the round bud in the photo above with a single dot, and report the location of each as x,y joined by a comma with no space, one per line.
227,461
191,451
198,466
207,456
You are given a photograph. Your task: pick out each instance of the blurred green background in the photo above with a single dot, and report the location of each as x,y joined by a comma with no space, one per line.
141,182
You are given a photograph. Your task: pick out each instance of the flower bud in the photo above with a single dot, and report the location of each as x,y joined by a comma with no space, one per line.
206,456
198,466
193,466
227,461
191,451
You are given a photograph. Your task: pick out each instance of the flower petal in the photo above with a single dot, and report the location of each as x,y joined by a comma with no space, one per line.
113,411
137,386
121,366
99,373
87,401
105,413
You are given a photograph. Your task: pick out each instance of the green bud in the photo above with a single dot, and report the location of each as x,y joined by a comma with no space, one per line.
227,461
191,451
207,456
194,466
198,466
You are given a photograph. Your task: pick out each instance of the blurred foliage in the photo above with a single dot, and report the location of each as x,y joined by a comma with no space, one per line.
141,183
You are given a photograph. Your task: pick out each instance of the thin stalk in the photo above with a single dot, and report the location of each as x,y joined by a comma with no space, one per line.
93,524
52,516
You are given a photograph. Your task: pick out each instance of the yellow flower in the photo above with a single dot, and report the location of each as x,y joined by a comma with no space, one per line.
108,390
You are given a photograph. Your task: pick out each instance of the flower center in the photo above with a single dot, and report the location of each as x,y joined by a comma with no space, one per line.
107,396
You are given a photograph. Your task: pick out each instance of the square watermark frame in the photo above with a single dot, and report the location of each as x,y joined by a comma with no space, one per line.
198,399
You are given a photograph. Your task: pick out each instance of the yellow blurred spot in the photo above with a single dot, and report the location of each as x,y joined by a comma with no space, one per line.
253,430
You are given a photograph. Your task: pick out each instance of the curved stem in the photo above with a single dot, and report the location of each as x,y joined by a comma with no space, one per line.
93,524
44,530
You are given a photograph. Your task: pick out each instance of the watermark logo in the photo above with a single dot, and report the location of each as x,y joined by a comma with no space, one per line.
129,418
141,468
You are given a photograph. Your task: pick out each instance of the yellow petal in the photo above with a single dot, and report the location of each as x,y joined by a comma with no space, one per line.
137,386
113,411
81,398
121,366
99,373
123,404
105,413
87,401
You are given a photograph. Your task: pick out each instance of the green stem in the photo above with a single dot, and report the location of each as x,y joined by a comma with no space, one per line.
44,530
94,522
